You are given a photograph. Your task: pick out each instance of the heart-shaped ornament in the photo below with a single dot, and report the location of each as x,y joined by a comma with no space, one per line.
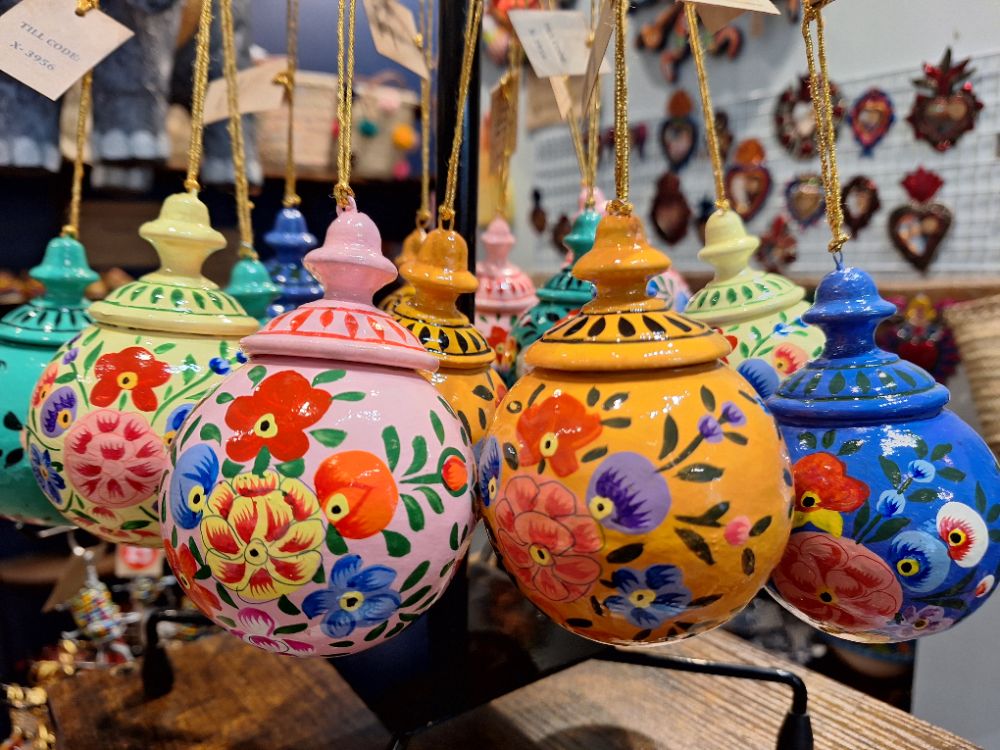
805,199
871,117
946,106
917,232
678,136
747,187
859,201
670,213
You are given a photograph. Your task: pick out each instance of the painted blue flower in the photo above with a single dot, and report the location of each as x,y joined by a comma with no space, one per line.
58,411
710,428
921,560
732,414
219,366
761,375
627,494
71,355
192,481
174,421
921,471
781,329
490,467
49,480
356,597
241,357
648,598
890,503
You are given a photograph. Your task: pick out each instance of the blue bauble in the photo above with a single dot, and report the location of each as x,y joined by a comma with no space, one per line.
897,501
290,239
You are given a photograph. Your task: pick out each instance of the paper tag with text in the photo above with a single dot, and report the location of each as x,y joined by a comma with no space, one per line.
503,123
46,46
134,562
255,88
395,34
717,13
555,41
602,36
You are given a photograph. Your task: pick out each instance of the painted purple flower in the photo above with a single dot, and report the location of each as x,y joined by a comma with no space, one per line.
710,429
918,622
58,411
627,494
732,415
71,355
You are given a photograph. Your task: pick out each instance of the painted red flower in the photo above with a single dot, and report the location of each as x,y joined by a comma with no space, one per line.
730,339
134,370
547,538
823,491
182,562
789,358
498,335
44,385
455,473
554,430
357,492
275,417
837,582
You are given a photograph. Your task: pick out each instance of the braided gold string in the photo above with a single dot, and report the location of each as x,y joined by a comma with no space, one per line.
708,112
594,121
287,79
72,226
242,190
198,88
511,91
446,212
426,44
345,96
620,206
819,87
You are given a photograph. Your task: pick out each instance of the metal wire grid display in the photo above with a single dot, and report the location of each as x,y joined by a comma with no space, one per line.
970,170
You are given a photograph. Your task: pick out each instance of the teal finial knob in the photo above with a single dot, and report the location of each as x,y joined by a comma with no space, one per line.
251,285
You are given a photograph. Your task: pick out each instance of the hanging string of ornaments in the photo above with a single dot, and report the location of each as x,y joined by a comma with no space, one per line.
356,475
118,393
896,499
602,473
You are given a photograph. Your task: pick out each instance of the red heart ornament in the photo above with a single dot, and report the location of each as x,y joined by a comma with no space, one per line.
871,117
747,187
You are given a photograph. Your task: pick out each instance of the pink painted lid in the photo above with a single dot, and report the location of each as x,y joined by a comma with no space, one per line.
344,325
503,287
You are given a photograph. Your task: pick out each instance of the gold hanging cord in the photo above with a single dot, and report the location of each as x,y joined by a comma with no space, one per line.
819,88
287,79
426,43
242,190
446,212
198,87
72,226
511,88
620,205
345,95
708,112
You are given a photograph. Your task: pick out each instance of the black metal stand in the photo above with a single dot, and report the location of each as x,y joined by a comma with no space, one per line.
157,673
796,730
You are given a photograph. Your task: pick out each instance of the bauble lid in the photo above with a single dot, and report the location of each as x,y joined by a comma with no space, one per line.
438,275
623,328
344,325
290,238
854,381
177,298
60,313
503,287
564,288
737,292
251,285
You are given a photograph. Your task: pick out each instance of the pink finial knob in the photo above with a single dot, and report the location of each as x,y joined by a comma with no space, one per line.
498,241
600,201
349,264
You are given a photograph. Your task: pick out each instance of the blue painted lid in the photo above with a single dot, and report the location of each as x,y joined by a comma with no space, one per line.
854,381
290,237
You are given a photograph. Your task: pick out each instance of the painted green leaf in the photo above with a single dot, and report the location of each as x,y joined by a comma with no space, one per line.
334,541
328,376
211,432
396,629
906,377
807,440
696,543
940,451
230,469
670,437
286,606
736,437
837,383
614,401
438,427
731,295
813,384
995,535
850,447
341,644
744,349
66,377
199,299
349,396
202,573
224,397
593,396
921,447
414,578
594,454
707,399
157,294
749,561
224,595
510,455
863,382
761,526
483,392
173,531
319,576
396,544
390,438
862,518
536,393
138,523
290,629
980,499
256,374
453,537
419,454
262,461
293,469
891,471
433,499
195,552
709,518
329,437
376,631
415,597
700,473
829,437
951,474
177,298
625,554
888,529
617,423
91,358
925,495
414,513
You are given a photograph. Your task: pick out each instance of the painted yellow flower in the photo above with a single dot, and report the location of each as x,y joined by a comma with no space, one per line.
261,534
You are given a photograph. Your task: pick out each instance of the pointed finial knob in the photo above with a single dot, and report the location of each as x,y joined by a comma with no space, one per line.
581,236
64,272
182,235
848,308
439,275
411,246
498,241
290,238
349,264
728,247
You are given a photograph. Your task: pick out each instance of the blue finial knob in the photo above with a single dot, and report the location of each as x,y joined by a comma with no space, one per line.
291,240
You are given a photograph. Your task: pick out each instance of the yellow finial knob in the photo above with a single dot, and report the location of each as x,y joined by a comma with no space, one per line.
728,247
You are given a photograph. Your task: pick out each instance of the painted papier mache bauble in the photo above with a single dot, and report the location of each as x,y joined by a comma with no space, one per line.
896,530
290,239
759,313
120,392
408,253
561,295
29,336
319,499
251,285
465,376
633,486
505,293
